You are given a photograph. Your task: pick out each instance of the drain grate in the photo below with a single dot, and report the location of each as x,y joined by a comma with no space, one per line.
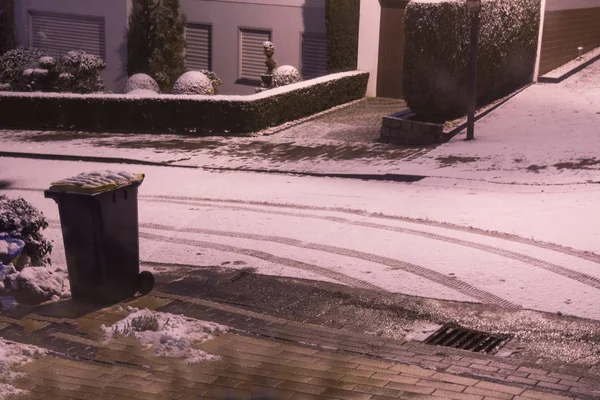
451,335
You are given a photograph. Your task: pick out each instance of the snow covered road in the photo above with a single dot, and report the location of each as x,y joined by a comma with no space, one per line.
512,246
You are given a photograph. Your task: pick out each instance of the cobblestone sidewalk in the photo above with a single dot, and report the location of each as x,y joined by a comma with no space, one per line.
262,358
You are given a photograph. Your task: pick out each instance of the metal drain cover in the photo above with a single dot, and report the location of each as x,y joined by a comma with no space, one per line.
451,335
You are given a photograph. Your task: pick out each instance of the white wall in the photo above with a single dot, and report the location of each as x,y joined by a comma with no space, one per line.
368,42
557,5
287,19
115,13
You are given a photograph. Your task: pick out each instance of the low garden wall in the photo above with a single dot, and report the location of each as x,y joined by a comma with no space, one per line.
201,115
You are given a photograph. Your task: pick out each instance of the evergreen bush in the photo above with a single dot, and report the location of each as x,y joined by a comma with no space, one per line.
7,26
342,21
437,50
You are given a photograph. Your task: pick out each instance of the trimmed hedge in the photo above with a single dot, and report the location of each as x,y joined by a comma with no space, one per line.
184,114
342,21
437,51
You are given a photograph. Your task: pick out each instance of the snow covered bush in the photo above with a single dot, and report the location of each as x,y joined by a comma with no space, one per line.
193,82
22,221
14,62
437,49
285,75
84,72
141,81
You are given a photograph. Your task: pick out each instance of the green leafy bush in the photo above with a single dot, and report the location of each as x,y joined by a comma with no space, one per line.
22,221
201,115
14,62
437,49
342,21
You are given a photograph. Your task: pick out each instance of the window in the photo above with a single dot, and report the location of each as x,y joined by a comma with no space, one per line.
60,33
198,53
314,55
252,56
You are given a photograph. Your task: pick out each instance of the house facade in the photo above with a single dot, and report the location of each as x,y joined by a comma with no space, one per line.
224,36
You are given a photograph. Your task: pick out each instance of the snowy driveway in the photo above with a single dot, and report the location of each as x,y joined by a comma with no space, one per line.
430,238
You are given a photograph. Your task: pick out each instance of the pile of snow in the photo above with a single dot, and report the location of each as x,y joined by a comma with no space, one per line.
35,285
47,62
142,93
14,355
285,75
175,336
193,82
97,179
141,81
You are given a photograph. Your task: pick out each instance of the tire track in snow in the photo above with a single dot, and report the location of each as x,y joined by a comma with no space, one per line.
536,262
423,272
584,255
288,262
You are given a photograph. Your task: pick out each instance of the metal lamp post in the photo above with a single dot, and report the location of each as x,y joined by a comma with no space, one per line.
474,7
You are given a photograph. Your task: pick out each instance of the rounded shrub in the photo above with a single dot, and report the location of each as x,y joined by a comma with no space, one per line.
14,62
285,75
141,81
437,51
193,82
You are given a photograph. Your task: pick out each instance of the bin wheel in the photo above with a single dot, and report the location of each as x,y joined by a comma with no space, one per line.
145,282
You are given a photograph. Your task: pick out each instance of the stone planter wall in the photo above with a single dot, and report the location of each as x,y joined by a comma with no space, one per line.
399,128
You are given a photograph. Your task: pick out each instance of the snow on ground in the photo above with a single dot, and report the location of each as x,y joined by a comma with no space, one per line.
332,229
173,335
14,355
547,134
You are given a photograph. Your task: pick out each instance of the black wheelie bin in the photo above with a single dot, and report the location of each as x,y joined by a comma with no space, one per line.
99,220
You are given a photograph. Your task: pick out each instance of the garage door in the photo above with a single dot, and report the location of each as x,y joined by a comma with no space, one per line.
314,55
59,33
198,52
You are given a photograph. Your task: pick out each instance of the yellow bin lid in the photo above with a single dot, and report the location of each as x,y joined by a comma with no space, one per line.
96,182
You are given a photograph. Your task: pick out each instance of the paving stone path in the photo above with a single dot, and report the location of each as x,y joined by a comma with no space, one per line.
262,358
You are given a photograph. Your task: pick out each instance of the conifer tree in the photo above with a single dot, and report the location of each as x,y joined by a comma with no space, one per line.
167,61
141,36
7,26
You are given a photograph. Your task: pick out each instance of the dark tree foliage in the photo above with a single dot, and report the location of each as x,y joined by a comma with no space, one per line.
141,36
342,21
167,62
7,26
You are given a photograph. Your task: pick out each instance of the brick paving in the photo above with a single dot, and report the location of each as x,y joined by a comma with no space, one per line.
263,358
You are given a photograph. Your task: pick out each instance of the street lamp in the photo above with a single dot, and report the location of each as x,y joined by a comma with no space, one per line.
474,7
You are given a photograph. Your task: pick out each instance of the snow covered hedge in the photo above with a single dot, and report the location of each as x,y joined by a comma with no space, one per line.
180,113
437,48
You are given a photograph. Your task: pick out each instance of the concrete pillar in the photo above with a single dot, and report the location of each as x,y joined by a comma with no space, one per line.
368,42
